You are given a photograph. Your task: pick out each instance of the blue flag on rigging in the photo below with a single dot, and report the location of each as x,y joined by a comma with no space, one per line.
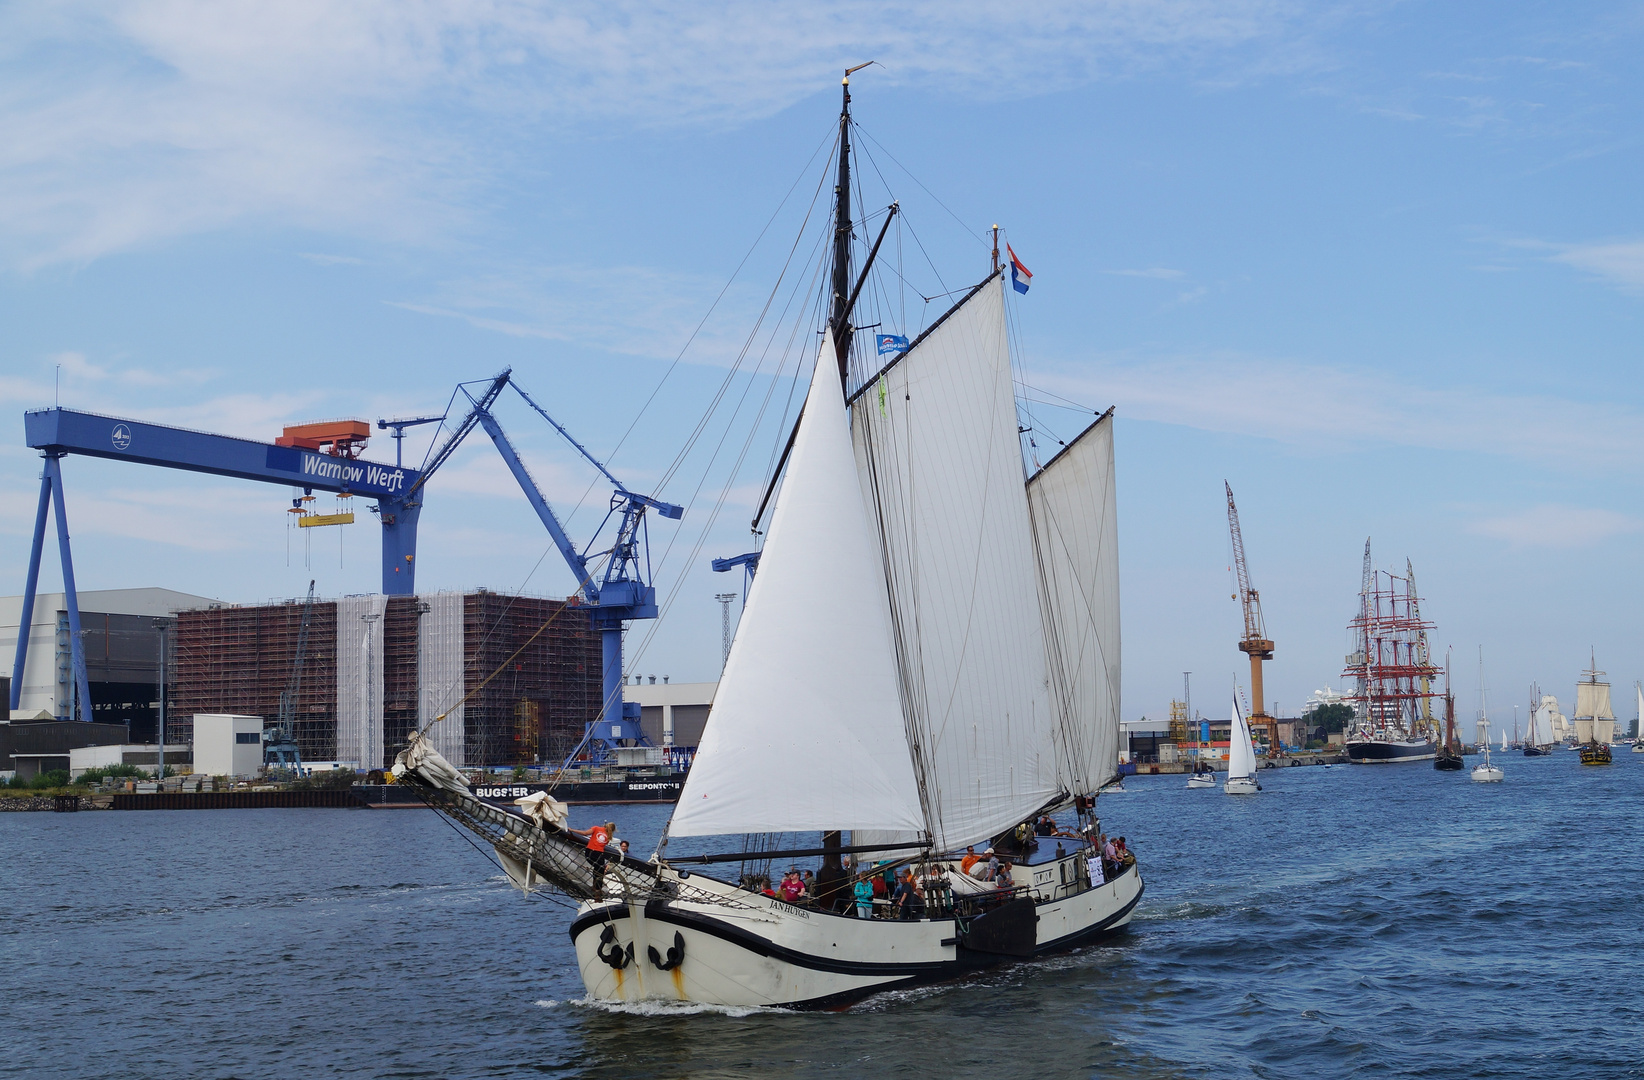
892,343
1020,276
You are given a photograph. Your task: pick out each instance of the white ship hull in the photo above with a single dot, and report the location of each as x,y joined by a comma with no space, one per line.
1241,785
720,945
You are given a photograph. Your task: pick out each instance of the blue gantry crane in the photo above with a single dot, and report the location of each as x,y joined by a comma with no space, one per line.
613,581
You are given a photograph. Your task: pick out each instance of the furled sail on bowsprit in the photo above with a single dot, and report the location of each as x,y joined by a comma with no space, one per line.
940,461
810,686
1076,537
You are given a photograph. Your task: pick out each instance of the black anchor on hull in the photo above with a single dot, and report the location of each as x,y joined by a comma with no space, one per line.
676,955
611,953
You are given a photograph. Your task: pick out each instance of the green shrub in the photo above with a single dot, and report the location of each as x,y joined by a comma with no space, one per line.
111,772
324,781
50,779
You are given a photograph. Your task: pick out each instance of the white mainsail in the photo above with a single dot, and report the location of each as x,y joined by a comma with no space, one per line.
1241,755
806,731
940,461
1076,536
1541,726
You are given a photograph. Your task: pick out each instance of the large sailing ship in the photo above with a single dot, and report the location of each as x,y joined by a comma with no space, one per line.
1392,672
1594,718
932,637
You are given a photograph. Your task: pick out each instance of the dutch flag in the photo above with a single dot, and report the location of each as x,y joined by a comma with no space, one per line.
1020,276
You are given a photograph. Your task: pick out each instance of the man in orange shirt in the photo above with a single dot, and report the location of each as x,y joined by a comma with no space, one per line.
598,837
970,860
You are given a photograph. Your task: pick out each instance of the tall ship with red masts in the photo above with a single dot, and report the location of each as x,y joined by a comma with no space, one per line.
1392,671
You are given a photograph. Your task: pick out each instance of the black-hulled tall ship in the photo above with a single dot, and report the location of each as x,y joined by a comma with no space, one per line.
1594,718
1448,757
1539,741
1392,672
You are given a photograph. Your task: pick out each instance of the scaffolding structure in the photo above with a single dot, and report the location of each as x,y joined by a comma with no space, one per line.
235,659
1390,666
1178,724
558,673
369,682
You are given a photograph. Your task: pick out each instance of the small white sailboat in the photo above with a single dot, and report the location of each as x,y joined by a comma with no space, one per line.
1638,740
1485,772
1241,757
1203,777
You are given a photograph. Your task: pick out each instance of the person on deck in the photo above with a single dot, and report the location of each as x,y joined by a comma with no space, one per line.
1045,827
970,860
1002,879
906,899
793,887
598,837
863,892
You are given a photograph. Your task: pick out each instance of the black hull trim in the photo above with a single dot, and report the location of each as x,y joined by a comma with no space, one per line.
1536,751
966,962
1383,753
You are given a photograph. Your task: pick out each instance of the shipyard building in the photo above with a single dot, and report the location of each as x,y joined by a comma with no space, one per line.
518,677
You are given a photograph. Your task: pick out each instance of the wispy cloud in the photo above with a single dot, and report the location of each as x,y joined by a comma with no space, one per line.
1620,263
1349,410
320,259
630,310
1557,526
126,122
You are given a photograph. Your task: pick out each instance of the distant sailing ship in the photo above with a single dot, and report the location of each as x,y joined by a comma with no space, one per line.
1448,756
1638,725
1539,742
1392,671
1594,719
1241,756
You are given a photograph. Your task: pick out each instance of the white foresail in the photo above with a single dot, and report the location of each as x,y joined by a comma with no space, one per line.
1241,756
941,468
1075,532
806,731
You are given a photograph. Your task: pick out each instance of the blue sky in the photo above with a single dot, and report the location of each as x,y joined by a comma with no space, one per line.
1379,265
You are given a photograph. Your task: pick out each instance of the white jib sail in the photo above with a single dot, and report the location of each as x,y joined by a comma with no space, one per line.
806,729
941,464
1241,756
1076,534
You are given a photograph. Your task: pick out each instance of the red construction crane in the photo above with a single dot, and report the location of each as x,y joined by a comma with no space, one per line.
1255,641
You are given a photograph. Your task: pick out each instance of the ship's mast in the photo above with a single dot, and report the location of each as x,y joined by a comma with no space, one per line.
839,314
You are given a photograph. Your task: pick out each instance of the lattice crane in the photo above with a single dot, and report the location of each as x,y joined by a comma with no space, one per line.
1255,641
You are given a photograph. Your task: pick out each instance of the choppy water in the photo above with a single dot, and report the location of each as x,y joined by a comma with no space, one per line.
1348,921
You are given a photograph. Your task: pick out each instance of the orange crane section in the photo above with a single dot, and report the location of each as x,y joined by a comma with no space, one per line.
1255,641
